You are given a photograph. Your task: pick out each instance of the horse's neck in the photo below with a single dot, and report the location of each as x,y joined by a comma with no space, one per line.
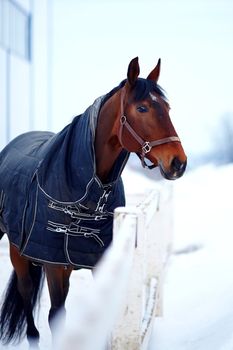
107,146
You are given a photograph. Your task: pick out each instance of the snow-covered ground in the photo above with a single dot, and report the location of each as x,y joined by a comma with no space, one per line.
198,293
198,297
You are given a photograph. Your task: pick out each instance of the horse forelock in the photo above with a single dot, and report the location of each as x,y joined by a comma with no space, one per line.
144,88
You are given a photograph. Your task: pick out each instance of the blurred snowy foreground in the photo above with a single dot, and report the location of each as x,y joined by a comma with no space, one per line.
198,290
198,294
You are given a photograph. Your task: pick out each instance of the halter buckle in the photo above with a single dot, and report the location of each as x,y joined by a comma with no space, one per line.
146,147
123,119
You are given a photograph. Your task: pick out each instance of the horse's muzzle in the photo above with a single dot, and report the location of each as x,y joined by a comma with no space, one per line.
176,169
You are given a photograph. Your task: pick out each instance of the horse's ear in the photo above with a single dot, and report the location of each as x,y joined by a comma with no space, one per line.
154,74
133,71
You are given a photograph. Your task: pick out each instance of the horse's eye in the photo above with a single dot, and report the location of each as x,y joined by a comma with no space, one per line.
142,109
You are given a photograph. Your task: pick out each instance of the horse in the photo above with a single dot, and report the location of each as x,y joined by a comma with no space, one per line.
58,192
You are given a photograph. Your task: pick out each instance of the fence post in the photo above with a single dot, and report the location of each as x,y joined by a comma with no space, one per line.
127,330
150,207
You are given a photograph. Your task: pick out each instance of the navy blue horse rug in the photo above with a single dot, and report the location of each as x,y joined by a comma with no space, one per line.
52,205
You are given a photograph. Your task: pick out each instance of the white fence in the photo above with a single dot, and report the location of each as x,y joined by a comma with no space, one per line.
117,313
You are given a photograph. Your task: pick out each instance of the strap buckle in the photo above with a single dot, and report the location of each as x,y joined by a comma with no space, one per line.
123,119
146,147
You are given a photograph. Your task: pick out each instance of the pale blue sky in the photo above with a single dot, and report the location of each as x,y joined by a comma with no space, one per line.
95,40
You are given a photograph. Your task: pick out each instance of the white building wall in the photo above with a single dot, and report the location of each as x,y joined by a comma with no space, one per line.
19,109
25,4
24,81
41,56
3,98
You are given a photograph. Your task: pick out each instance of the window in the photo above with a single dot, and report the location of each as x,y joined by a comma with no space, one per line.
1,22
15,28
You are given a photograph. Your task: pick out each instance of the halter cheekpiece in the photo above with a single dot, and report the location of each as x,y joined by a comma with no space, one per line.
146,146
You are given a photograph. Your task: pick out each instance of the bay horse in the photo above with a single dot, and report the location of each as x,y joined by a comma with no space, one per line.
58,192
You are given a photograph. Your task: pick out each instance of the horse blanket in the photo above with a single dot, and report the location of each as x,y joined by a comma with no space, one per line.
53,206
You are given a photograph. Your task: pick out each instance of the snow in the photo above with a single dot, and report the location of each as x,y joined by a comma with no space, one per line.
198,286
198,289
135,182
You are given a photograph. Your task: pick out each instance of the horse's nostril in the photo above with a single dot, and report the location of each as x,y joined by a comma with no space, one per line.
177,165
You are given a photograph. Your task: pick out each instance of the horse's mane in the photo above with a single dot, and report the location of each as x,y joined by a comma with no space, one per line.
113,91
142,89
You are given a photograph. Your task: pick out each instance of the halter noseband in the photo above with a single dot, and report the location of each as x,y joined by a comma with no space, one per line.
146,146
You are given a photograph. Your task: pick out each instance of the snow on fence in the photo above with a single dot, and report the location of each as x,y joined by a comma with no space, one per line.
118,310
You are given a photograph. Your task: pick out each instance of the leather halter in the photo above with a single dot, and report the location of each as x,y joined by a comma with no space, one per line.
146,146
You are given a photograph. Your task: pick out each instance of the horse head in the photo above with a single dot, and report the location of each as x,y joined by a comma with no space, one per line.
145,126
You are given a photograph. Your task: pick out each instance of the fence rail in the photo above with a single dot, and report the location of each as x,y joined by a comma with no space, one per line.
118,311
